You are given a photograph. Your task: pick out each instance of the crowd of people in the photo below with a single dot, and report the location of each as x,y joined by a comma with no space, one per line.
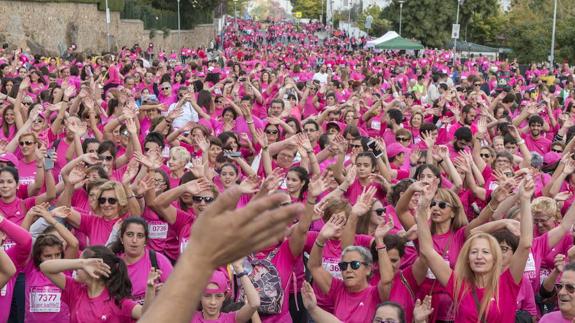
285,177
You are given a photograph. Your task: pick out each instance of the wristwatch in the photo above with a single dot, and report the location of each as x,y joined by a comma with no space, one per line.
242,274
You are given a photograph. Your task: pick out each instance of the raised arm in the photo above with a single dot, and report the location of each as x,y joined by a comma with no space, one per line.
54,269
252,296
519,258
385,266
436,263
321,276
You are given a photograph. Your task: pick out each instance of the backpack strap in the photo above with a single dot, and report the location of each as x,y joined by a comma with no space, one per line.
56,143
154,259
406,284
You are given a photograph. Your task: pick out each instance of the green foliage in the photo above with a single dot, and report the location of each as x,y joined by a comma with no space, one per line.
379,26
241,6
430,20
114,5
309,8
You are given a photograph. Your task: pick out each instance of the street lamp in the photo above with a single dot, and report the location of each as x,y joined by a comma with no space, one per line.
552,56
108,26
400,14
179,30
235,15
349,19
459,2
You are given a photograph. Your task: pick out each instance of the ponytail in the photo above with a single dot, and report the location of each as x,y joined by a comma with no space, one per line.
118,283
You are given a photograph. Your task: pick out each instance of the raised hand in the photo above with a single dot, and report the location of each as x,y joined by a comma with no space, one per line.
422,310
383,229
199,185
77,175
318,185
145,184
332,227
96,268
364,202
308,296
250,184
526,188
351,174
559,262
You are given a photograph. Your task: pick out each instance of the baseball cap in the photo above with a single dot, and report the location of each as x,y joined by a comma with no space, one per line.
395,149
219,279
9,158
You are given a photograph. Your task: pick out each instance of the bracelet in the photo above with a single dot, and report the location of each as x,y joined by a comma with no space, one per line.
139,196
265,148
250,122
384,247
242,274
441,161
131,196
310,202
317,243
39,166
520,142
341,189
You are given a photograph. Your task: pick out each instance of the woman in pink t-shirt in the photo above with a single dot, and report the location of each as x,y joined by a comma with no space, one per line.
101,290
481,288
354,299
216,293
131,247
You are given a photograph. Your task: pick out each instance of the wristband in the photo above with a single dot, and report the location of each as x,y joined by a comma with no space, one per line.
490,207
382,247
317,243
250,122
310,202
439,162
131,196
520,142
242,274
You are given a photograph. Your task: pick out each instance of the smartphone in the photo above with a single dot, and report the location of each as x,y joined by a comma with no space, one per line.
372,145
49,161
233,154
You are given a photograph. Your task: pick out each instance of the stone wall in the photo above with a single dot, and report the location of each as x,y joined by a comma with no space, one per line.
51,27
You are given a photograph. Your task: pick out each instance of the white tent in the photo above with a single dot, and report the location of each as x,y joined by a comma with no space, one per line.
388,36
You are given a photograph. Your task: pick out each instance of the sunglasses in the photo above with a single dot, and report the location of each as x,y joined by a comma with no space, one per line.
557,150
165,88
27,103
353,264
402,139
272,132
477,84
442,204
355,146
219,101
569,287
26,143
378,320
379,211
106,158
485,155
199,199
110,200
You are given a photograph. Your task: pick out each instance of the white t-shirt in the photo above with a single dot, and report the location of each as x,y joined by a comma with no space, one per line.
189,114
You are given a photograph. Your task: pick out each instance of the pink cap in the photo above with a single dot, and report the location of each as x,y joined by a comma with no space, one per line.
551,158
11,158
395,149
218,278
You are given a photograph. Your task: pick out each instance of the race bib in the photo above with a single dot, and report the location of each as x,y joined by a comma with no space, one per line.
376,124
430,274
331,266
183,245
493,185
45,299
4,290
8,244
158,230
530,265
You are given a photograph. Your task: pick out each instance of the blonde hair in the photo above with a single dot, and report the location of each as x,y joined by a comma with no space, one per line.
120,195
181,153
546,205
459,219
464,277
335,206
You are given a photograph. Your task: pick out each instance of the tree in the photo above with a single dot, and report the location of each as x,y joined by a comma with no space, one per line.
430,20
309,8
379,26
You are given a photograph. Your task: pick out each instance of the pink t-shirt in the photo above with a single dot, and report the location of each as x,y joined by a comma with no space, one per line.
16,210
43,298
97,228
502,312
139,271
84,309
554,317
183,226
353,307
403,289
224,318
162,237
526,297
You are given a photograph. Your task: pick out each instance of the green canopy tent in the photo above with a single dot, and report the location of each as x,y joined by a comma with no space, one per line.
399,43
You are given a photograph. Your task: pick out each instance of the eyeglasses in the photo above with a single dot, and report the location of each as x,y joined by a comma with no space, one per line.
504,249
541,220
379,211
110,200
26,143
106,158
485,155
402,139
355,146
442,204
477,84
557,150
353,264
40,120
199,199
569,287
165,88
27,103
308,130
272,132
